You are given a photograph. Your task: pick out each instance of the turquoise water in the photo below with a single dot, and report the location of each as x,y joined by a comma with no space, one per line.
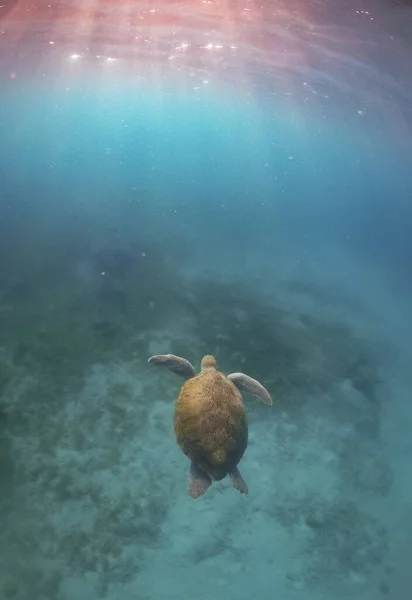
254,205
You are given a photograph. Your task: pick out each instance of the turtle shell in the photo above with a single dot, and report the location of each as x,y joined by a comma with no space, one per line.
210,423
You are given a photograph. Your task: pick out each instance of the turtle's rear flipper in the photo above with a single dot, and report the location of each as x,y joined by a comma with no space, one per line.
238,482
176,364
199,481
247,384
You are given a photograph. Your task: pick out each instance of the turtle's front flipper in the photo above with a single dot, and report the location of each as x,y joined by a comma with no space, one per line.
238,482
176,364
247,384
199,481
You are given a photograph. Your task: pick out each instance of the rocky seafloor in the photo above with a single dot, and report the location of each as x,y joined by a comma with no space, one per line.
93,500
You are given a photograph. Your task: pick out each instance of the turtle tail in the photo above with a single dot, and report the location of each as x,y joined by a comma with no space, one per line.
218,464
219,456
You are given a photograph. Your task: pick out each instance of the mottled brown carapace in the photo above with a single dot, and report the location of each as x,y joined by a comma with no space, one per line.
210,422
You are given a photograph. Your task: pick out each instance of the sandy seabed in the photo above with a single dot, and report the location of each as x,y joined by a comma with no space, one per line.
93,497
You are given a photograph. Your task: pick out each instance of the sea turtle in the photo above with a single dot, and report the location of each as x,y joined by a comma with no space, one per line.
210,421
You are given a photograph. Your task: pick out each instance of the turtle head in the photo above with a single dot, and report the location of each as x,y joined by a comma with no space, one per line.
208,362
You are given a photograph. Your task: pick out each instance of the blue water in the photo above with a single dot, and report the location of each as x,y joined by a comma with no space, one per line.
197,215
